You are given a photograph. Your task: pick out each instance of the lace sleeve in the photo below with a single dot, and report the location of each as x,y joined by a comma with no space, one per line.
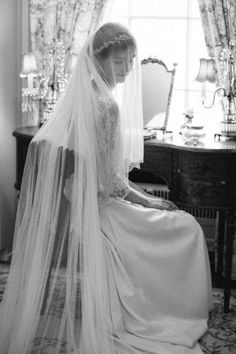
120,186
108,129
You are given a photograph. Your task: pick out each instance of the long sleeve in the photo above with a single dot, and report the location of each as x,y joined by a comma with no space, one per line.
108,130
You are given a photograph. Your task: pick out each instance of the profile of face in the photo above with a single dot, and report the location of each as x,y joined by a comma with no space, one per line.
117,65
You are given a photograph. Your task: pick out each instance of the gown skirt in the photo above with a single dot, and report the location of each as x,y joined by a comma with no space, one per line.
159,278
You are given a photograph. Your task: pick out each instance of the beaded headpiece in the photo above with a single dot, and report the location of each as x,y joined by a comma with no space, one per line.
115,40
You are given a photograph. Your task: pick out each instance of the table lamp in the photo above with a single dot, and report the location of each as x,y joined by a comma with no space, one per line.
208,72
29,70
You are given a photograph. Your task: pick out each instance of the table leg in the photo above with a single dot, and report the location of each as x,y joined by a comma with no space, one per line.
228,257
220,247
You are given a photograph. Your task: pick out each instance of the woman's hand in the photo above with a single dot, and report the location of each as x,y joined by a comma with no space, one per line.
137,195
161,204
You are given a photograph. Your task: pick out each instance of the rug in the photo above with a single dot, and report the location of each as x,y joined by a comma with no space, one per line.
221,335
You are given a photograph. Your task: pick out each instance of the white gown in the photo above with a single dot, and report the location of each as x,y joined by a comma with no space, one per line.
158,270
159,278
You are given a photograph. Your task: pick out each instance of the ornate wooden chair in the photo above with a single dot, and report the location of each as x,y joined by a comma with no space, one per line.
157,90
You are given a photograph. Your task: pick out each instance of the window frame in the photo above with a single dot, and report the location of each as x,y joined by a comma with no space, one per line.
190,94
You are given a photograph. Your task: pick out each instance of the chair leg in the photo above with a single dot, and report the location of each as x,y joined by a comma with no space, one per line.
46,291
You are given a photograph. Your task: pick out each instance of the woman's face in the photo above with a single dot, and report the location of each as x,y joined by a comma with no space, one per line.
117,65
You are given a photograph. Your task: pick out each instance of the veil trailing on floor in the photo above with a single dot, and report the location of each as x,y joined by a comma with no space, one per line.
57,294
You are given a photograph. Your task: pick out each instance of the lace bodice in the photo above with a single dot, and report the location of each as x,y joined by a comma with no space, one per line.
108,130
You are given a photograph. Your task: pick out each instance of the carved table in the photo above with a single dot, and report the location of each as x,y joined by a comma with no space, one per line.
199,177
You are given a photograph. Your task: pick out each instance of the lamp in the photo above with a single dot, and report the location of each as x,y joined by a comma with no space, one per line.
29,70
43,93
54,78
207,72
226,75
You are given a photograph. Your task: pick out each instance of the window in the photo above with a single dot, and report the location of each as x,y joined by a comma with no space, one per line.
171,31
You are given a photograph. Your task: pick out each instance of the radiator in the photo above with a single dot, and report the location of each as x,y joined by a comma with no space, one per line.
159,190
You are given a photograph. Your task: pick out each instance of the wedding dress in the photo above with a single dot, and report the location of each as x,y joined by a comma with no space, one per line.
92,273
158,270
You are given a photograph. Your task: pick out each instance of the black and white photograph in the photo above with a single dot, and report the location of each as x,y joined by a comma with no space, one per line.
117,177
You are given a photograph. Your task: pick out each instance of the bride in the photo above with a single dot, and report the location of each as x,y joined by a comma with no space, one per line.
99,266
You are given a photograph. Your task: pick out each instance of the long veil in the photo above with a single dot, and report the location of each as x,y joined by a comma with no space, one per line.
57,295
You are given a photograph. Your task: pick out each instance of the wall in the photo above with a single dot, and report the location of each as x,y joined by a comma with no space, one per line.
10,37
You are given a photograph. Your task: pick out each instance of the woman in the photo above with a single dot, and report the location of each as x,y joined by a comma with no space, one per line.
98,266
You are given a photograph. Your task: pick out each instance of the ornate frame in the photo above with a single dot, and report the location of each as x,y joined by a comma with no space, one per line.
155,60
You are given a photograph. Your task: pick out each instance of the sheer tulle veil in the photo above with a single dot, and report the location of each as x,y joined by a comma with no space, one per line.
57,294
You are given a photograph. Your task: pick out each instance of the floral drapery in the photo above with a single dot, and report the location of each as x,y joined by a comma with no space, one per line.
59,28
61,25
219,24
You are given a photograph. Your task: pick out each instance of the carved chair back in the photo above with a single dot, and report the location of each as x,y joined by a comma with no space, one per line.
157,90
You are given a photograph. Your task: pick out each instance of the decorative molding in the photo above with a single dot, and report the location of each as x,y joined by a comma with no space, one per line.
154,60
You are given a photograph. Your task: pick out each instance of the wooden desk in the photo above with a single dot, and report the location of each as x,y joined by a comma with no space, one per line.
198,177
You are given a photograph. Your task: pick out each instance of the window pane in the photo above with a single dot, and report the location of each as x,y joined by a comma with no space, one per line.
197,50
177,108
162,8
194,8
210,118
122,20
152,42
163,30
119,8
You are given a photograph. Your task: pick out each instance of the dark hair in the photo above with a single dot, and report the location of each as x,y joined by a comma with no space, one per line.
112,36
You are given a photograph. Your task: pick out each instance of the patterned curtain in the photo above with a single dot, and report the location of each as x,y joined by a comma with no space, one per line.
59,27
219,24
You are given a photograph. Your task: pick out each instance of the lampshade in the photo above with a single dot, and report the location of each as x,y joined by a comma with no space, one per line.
207,70
29,65
71,63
